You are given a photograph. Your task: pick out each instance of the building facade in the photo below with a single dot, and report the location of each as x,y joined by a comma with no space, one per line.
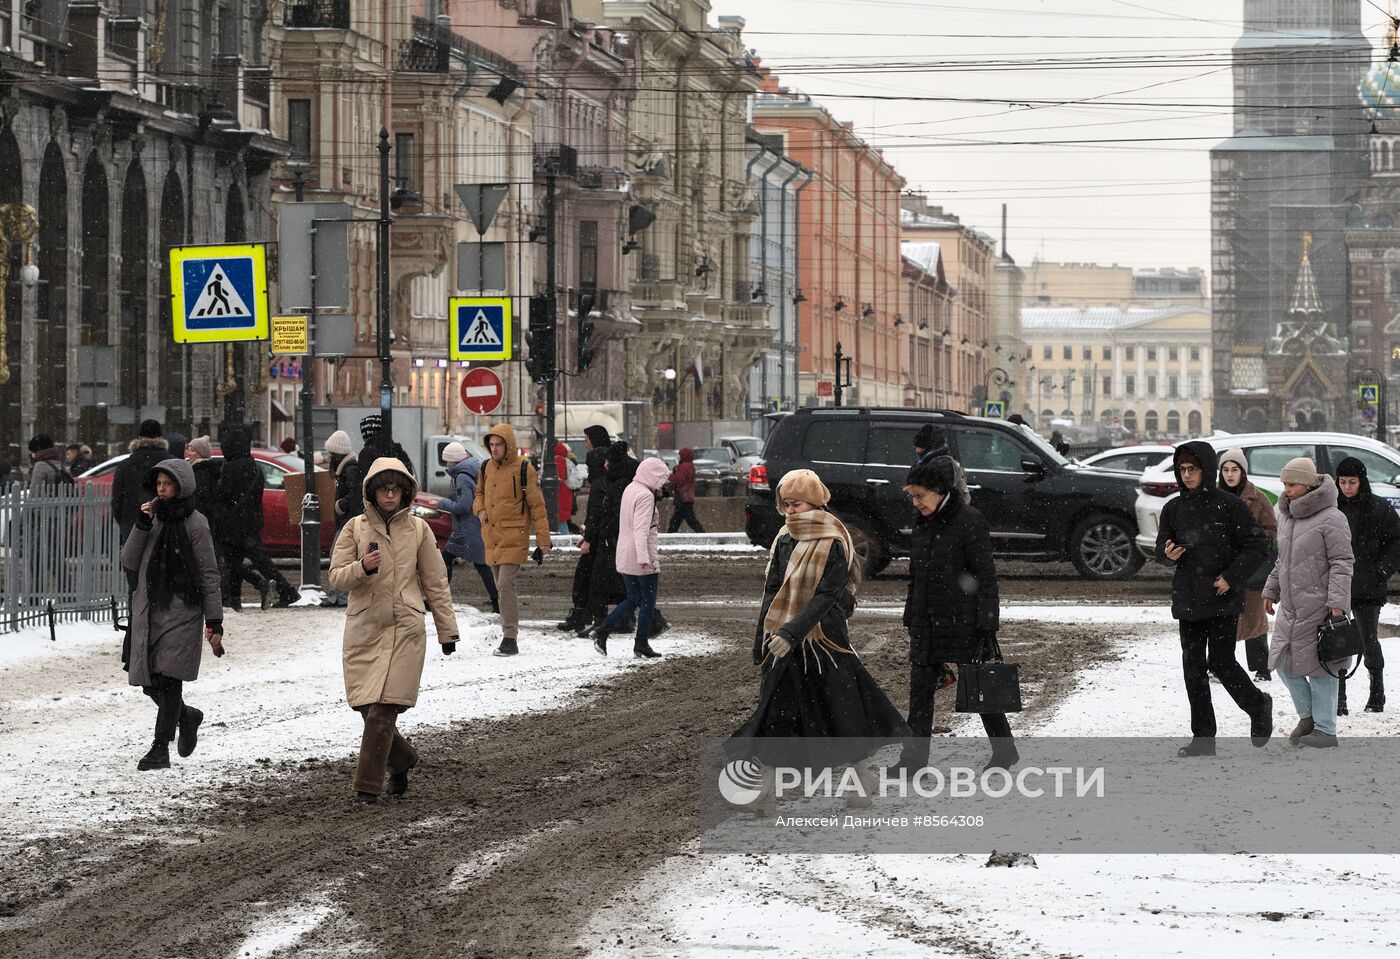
122,134
1118,373
1287,171
929,309
849,252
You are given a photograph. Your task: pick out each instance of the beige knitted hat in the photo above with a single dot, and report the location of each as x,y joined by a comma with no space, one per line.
1301,470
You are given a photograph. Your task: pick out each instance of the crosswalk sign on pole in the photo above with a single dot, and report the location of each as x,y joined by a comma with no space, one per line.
994,409
1369,392
479,327
218,294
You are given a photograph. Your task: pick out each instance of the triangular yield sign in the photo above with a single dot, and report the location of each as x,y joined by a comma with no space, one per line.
219,298
482,200
480,332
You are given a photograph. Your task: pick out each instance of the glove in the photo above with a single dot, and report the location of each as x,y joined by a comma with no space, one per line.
449,648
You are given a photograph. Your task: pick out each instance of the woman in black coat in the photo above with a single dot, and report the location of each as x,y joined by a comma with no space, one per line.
953,608
1375,541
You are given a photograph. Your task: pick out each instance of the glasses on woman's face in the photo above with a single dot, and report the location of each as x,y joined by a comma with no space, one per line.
1189,470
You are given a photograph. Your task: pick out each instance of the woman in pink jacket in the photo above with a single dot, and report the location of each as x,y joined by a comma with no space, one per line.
638,559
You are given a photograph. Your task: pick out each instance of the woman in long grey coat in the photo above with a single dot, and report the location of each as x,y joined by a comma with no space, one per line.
1310,581
175,606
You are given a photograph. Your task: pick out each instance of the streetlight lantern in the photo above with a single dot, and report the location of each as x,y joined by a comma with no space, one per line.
29,275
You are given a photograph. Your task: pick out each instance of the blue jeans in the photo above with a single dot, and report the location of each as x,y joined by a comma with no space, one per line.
1314,696
641,596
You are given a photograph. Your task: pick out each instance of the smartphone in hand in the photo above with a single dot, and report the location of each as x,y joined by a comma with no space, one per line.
373,548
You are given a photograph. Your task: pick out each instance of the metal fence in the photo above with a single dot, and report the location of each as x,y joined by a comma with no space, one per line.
59,557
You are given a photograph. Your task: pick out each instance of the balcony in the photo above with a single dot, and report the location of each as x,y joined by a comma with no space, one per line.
434,47
318,14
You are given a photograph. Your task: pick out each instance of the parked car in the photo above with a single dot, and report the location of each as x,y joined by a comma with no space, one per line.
748,450
279,536
1128,459
1040,506
671,458
716,462
1266,454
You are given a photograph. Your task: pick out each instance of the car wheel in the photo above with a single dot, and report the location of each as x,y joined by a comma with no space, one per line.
873,555
1103,547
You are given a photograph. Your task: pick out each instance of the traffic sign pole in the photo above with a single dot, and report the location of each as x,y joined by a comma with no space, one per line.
310,504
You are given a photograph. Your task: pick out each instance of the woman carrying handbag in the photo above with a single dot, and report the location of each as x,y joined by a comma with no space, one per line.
1310,582
953,607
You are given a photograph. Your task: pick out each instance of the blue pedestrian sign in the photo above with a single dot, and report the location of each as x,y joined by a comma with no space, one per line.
480,328
1369,392
995,410
218,294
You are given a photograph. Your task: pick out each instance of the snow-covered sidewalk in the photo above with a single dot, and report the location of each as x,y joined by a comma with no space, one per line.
699,905
71,729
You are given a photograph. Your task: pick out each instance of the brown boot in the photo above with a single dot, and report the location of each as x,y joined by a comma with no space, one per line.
375,744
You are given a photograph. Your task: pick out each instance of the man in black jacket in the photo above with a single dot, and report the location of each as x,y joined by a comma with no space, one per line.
1375,541
239,533
148,449
377,445
1216,546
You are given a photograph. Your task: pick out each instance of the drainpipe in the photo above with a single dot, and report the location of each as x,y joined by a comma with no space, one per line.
763,253
808,176
783,304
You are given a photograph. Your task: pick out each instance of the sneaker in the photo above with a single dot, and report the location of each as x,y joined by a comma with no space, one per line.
190,718
1318,739
1261,722
507,647
1305,726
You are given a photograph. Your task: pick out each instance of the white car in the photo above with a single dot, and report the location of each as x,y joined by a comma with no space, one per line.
1266,454
1128,459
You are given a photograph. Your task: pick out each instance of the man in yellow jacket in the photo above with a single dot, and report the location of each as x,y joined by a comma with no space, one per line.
509,503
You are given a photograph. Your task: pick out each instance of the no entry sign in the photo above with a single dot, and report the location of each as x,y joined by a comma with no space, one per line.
482,391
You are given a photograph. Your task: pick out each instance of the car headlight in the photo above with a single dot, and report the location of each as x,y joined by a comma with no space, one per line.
426,512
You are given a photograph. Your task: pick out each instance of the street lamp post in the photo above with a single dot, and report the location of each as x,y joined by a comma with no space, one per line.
839,387
998,377
1372,375
386,382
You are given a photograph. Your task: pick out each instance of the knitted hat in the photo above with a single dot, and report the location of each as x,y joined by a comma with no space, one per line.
1300,470
1185,457
617,451
338,443
453,453
803,485
288,444
1351,466
598,435
924,438
41,441
938,475
370,427
201,447
150,430
1236,456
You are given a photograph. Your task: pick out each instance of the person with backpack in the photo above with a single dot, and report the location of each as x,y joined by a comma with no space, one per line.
509,504
683,482
46,469
1375,544
465,543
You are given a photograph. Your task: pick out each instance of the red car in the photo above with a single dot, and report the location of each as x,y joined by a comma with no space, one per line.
279,536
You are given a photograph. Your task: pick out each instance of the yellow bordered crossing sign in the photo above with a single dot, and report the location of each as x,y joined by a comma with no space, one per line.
218,294
479,327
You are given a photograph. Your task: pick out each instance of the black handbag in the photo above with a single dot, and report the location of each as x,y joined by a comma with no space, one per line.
1338,638
989,686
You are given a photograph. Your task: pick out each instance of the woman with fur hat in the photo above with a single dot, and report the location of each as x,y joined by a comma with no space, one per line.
1253,629
1310,582
175,606
953,608
1375,542
812,683
388,561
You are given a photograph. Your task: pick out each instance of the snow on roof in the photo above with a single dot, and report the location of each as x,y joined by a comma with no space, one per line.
923,255
1095,318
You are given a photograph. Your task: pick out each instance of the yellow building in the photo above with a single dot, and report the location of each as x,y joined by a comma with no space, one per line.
1118,374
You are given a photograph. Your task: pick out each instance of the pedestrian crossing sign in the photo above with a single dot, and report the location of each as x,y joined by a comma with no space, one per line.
479,328
995,410
218,294
1369,392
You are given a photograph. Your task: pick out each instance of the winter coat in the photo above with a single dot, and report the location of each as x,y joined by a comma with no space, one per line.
465,542
953,606
828,607
349,495
1313,575
127,481
385,639
597,501
561,470
1221,539
637,552
240,490
605,584
507,511
1375,542
206,487
46,469
1253,620
683,477
170,641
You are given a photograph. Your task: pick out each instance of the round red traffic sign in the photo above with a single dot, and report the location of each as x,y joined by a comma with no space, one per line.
482,390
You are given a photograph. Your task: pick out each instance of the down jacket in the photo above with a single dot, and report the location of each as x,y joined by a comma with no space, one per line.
1313,574
385,639
1220,536
506,511
637,553
1375,542
170,641
130,477
465,542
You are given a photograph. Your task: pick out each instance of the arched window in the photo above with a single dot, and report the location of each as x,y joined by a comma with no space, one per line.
1173,423
1046,416
1149,423
1068,415
1193,422
1130,421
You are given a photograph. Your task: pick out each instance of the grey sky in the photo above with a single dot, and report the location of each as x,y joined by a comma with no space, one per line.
1134,203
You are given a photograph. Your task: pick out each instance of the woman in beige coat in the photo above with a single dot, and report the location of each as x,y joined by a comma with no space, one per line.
388,561
1253,629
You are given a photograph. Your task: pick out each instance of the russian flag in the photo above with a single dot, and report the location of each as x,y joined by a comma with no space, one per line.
697,369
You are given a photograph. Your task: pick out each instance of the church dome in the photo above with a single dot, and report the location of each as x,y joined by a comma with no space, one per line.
1380,91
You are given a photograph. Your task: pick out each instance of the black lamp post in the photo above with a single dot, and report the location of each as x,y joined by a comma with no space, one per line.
1372,375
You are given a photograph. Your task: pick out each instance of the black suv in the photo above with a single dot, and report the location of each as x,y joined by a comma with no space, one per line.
1039,505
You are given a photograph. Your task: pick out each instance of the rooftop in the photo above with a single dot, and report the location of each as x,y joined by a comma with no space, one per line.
1055,318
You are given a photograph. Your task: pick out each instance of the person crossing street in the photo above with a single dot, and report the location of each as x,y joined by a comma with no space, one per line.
1375,543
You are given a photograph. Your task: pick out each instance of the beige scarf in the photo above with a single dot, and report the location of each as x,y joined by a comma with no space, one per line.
814,531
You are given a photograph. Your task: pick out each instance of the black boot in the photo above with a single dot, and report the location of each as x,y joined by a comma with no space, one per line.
659,624
190,718
1261,722
286,596
1376,702
157,757
1198,746
398,783
600,637
507,647
265,591
576,619
642,650
1342,698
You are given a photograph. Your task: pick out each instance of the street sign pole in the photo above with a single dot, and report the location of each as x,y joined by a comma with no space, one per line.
549,477
310,505
386,361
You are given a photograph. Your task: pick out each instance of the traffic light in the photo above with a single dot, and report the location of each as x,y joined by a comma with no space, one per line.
586,331
540,361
